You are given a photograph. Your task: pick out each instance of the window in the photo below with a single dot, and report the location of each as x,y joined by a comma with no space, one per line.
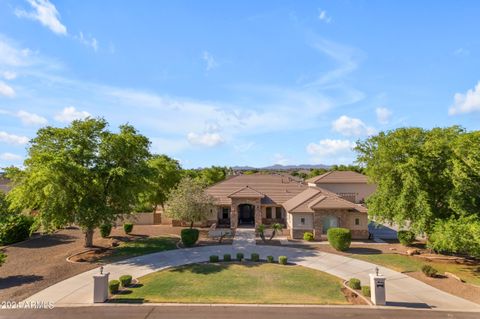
278,212
225,212
269,212
302,220
357,221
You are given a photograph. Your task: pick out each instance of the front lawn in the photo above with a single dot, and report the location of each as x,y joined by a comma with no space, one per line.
403,263
141,247
237,283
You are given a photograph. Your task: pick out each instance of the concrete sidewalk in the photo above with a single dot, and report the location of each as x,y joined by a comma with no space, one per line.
402,290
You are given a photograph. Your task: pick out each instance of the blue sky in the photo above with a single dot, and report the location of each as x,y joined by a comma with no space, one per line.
239,83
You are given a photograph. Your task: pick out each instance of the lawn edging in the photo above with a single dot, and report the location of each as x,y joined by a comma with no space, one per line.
368,301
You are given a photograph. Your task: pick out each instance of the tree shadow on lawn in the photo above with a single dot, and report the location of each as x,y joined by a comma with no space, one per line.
364,251
211,268
18,280
47,241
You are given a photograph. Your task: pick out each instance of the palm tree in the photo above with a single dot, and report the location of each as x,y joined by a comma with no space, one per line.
261,231
277,227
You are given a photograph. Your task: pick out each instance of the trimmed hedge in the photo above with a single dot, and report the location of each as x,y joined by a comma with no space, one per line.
189,236
308,236
270,259
339,238
128,227
227,257
429,271
282,260
125,280
105,230
15,228
240,256
405,237
255,257
366,291
214,259
113,286
354,283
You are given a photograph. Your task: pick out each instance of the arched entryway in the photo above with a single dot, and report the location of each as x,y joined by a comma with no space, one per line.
329,222
246,215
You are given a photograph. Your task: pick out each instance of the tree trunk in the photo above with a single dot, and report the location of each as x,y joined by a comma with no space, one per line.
273,235
89,237
191,225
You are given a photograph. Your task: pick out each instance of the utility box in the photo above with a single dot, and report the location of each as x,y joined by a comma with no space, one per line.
377,289
100,287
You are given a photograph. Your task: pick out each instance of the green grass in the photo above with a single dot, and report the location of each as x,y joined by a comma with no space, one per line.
402,263
237,283
142,246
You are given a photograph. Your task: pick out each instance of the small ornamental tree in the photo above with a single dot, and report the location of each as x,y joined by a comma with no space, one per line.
189,202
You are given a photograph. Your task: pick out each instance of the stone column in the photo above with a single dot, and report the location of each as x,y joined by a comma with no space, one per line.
258,213
317,225
234,216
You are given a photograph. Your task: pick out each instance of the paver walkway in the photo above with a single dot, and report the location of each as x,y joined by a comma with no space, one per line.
244,237
402,290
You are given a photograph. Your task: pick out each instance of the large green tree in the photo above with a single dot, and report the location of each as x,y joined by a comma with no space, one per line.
412,168
208,175
189,202
82,174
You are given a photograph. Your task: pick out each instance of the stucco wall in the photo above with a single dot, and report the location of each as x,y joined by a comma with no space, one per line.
362,191
296,221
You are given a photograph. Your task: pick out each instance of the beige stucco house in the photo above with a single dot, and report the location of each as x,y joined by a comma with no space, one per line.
329,200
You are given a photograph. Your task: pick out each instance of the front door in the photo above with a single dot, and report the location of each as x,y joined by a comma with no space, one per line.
329,222
246,214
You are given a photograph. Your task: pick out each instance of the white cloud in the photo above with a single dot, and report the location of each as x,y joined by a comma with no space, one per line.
13,139
162,145
329,151
6,90
45,13
322,16
383,115
9,75
466,103
28,118
88,41
349,126
10,157
280,159
69,114
210,61
205,139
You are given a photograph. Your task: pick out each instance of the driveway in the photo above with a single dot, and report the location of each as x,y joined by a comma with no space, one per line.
402,290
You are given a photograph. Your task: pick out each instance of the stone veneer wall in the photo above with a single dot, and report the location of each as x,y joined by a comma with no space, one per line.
234,210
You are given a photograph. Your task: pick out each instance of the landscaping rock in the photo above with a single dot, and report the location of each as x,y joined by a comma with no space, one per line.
450,275
411,252
115,243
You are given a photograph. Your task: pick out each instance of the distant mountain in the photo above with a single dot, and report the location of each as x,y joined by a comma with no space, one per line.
278,167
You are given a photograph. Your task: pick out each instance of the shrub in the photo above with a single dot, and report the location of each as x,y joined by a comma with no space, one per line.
189,236
405,237
354,283
105,230
308,236
15,228
366,291
125,280
429,271
128,227
255,257
339,238
2,258
270,259
282,260
240,256
214,259
227,257
113,286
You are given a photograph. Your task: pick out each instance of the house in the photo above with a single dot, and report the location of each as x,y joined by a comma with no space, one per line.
250,200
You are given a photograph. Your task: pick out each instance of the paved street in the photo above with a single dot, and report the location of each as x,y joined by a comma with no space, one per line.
221,312
401,289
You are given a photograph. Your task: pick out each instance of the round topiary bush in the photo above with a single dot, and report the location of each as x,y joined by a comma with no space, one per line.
339,238
308,236
113,286
105,230
366,291
429,271
240,256
214,259
405,237
354,283
125,280
282,260
255,257
189,236
227,257
128,227
270,259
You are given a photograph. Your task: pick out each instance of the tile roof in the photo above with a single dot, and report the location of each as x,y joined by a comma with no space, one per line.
246,192
339,177
276,188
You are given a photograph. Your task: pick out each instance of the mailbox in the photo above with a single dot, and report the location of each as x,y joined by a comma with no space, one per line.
377,289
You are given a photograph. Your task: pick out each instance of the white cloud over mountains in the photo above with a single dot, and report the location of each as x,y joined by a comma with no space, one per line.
205,139
331,151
